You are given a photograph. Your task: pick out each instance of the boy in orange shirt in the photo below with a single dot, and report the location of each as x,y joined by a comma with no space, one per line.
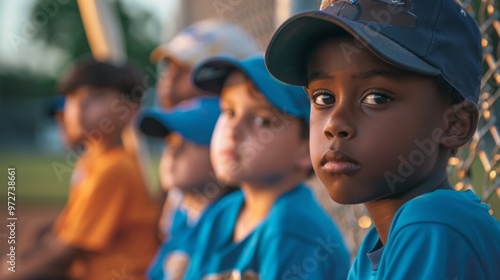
108,227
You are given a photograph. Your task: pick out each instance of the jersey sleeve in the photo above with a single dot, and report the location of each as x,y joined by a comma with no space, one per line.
289,258
430,251
94,216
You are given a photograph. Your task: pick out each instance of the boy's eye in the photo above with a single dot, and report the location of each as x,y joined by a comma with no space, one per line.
323,98
377,99
173,140
227,112
262,121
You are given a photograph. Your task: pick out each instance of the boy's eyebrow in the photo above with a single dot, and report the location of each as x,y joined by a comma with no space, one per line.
230,103
261,107
319,75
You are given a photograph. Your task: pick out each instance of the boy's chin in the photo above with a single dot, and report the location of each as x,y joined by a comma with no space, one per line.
345,195
228,180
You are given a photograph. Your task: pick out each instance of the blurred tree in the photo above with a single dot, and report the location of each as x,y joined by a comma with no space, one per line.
62,28
58,26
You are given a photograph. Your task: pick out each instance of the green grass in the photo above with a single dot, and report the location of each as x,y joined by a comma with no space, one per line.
36,180
44,179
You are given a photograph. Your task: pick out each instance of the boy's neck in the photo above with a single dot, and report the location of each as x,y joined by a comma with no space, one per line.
95,148
259,200
261,196
383,210
194,204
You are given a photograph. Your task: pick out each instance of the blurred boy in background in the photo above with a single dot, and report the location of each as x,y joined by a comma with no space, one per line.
108,225
176,60
187,129
273,228
190,46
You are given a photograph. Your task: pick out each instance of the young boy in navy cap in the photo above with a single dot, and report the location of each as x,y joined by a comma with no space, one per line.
394,87
185,166
273,228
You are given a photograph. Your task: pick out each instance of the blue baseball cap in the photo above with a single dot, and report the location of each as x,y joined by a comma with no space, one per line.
211,74
194,119
55,105
428,37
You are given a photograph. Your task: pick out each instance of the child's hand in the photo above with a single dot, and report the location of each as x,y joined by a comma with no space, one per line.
34,237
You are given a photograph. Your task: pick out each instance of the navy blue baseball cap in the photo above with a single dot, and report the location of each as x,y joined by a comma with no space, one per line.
194,119
428,37
211,74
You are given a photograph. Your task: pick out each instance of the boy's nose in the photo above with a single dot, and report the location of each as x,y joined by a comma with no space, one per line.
234,129
339,125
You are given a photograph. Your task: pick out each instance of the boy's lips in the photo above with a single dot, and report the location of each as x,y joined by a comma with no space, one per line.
229,154
336,162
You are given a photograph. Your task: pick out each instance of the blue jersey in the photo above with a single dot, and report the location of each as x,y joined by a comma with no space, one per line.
444,234
173,257
297,240
176,249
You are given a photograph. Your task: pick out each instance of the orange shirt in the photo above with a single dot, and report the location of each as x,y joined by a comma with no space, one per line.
111,217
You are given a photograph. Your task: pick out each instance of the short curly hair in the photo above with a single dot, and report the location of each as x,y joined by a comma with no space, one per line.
124,78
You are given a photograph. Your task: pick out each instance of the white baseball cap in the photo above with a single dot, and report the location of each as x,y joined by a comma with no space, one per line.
205,39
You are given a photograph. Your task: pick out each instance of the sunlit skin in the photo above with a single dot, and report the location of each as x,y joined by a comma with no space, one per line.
174,84
180,160
365,114
90,118
186,166
257,147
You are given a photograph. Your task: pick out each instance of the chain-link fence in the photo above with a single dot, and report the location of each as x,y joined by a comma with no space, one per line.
477,165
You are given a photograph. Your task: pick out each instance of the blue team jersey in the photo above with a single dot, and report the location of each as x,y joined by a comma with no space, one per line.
297,240
444,234
173,257
173,250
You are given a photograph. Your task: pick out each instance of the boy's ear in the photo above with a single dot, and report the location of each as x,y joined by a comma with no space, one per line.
462,120
132,112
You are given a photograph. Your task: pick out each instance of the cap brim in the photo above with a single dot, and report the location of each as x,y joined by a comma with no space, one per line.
286,55
150,124
211,74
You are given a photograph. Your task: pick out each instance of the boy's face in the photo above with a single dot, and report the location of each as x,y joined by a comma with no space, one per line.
184,165
174,84
368,122
90,114
253,141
